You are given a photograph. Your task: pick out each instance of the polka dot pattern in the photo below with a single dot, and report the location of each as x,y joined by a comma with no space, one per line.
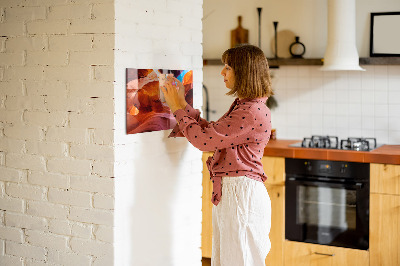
238,139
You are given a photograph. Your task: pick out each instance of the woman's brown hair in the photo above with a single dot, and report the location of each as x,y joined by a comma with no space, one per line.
250,66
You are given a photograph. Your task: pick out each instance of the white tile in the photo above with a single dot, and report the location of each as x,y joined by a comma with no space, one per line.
367,133
367,83
292,82
367,96
303,82
381,71
382,110
316,82
394,123
304,72
317,107
394,97
394,137
381,123
354,84
394,83
381,84
342,122
394,110
355,132
329,109
342,81
342,109
317,95
381,97
355,122
291,71
394,70
329,121
382,136
367,110
368,122
355,96
342,96
342,133
329,95
355,109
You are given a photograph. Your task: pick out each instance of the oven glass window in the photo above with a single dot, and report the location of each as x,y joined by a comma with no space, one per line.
326,207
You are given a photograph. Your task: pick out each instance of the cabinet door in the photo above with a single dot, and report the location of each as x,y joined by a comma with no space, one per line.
206,232
385,178
304,254
274,168
384,229
277,233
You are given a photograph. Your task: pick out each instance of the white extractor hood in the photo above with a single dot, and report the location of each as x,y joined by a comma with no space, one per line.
341,51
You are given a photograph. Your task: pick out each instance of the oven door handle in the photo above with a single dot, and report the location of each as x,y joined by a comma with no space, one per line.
357,185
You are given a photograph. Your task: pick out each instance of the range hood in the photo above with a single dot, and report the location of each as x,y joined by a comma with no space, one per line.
341,51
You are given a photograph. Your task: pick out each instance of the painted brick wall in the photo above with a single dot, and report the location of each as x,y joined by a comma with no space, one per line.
56,132
158,180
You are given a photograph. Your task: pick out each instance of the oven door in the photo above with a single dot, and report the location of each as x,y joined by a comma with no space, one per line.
327,213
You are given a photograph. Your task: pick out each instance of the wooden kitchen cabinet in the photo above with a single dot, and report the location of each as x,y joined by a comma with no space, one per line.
384,237
385,178
274,168
206,225
305,254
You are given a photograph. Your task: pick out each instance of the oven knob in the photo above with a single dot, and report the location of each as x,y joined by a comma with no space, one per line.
308,166
343,168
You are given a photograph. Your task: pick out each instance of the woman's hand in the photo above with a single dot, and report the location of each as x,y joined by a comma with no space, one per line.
175,97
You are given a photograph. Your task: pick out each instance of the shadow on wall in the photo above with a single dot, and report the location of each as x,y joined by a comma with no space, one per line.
156,191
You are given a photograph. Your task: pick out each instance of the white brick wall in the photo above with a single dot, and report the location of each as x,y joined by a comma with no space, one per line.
62,141
56,132
158,180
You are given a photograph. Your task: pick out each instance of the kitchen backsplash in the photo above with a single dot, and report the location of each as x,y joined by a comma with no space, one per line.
314,102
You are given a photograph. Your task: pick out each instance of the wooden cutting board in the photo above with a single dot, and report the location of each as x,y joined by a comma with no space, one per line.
239,35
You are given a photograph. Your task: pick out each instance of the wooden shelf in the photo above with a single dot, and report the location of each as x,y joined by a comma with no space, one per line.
380,61
274,63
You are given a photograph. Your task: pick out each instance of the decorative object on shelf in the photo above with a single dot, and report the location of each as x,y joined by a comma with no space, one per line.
239,35
383,40
276,38
297,49
259,9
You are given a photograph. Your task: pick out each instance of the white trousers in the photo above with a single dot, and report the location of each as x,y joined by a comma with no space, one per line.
241,223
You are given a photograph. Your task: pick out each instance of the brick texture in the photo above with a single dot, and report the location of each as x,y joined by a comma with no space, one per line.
47,81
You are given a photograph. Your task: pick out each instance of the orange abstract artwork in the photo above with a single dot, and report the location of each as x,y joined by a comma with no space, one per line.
146,109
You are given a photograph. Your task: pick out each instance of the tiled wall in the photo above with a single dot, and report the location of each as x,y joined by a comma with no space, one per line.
313,102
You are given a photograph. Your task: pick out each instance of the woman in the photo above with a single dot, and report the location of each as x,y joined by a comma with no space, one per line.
242,208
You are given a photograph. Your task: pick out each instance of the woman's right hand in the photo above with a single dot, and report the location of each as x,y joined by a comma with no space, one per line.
175,97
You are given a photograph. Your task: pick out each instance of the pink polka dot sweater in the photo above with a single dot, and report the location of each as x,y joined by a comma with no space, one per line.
238,139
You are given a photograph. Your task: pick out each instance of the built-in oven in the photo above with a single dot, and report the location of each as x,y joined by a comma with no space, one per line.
327,202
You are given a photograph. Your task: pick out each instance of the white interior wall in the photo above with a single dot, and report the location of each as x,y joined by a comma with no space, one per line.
343,103
305,18
158,180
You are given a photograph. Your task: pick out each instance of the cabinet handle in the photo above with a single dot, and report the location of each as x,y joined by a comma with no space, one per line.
324,254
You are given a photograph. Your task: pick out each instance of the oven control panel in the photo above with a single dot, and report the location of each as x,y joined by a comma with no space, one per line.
338,169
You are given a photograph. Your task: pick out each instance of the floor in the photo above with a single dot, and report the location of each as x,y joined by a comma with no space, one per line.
206,261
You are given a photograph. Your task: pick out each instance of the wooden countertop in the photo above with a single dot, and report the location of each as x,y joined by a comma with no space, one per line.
389,154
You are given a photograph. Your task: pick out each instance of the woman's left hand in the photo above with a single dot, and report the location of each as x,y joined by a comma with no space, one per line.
174,95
